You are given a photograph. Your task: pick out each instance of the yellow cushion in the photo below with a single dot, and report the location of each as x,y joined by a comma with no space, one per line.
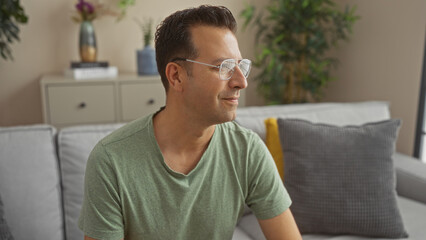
274,145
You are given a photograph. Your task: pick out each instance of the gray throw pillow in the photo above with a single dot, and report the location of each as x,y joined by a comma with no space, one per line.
4,228
342,179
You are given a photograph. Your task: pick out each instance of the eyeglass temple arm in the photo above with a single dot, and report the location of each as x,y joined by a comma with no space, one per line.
189,60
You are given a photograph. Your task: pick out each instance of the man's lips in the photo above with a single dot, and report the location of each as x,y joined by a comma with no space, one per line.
231,99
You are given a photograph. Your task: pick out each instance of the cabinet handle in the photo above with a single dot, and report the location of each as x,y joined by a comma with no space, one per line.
82,105
151,101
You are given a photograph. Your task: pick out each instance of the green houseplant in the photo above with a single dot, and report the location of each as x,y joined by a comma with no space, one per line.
11,14
292,40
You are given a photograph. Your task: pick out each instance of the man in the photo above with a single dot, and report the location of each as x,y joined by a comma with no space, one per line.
186,172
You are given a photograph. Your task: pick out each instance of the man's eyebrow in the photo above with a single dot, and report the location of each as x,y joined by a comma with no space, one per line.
220,60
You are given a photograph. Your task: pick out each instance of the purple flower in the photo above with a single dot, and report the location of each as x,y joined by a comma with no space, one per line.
85,7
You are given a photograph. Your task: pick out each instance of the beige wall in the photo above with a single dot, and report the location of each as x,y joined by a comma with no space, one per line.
383,61
50,41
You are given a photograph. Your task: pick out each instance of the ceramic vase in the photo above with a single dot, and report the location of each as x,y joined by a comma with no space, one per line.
87,44
147,65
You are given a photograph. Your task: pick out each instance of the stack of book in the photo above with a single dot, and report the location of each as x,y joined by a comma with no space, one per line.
91,70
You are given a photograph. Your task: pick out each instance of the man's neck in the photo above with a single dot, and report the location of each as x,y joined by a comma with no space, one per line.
181,141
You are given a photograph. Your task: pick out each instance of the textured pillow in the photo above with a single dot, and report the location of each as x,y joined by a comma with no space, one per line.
272,141
342,179
4,228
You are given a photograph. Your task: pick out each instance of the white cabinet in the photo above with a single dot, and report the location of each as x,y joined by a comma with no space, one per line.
66,101
140,99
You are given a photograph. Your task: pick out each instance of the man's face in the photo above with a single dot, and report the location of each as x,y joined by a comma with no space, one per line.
208,97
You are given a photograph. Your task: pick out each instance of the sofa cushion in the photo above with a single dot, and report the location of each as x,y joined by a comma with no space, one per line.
342,179
74,147
239,234
412,212
411,176
250,225
29,182
5,233
340,114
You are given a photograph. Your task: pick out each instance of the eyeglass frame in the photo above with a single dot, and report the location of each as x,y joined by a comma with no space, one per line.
218,66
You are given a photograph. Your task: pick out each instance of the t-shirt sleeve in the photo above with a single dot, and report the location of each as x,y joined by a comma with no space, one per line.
101,215
267,196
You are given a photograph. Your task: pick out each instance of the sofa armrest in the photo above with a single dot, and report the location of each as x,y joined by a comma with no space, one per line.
410,177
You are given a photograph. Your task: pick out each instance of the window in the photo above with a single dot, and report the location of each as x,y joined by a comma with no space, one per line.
420,141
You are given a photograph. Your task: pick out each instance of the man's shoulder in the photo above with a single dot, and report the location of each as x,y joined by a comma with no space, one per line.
128,130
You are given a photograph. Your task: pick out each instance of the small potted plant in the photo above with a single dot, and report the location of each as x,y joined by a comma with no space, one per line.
146,63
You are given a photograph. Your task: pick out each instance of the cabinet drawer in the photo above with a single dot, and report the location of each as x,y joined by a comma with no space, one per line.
140,99
81,104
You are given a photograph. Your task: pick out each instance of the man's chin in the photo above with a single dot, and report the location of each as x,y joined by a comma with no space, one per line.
234,116
230,116
226,115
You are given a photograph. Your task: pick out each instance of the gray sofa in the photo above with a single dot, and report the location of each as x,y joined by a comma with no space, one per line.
42,170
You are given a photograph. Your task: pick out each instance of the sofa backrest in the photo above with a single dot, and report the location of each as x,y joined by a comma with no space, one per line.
74,147
340,114
29,182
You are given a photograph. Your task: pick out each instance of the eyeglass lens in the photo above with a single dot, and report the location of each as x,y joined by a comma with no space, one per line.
227,68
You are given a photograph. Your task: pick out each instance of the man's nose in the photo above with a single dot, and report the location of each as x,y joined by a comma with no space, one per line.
238,80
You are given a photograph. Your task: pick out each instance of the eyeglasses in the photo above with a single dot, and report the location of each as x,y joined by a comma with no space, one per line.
227,67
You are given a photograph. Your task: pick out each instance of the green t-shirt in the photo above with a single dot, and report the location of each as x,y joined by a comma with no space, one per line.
131,193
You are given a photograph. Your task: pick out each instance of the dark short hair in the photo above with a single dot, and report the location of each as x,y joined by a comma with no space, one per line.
173,35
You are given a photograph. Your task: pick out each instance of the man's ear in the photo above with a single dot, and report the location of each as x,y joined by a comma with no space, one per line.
175,74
